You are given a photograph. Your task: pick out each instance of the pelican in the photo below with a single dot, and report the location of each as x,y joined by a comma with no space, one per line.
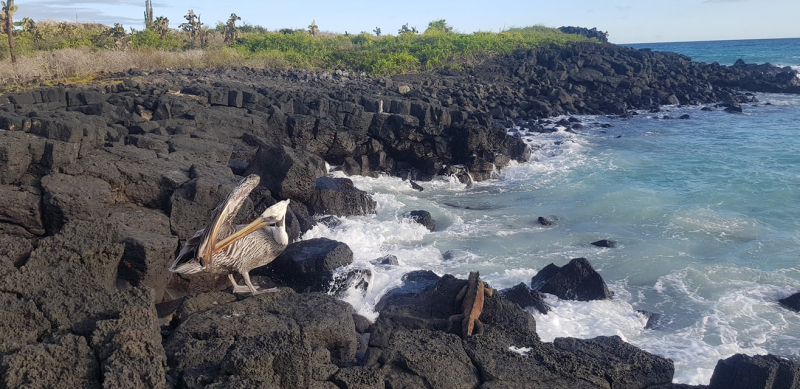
222,248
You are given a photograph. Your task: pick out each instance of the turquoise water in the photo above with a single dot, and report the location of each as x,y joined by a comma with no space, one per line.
779,52
706,213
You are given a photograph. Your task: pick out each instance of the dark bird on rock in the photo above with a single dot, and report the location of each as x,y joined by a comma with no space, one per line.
225,248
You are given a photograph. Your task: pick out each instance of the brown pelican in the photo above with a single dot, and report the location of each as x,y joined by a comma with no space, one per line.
223,248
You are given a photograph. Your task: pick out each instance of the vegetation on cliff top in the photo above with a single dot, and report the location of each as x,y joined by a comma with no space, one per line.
59,50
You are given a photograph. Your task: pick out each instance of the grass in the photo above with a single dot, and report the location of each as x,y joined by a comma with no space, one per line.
70,51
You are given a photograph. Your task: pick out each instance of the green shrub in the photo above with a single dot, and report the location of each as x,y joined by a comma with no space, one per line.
151,39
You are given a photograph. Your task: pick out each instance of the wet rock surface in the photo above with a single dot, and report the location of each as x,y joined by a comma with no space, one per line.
576,280
100,186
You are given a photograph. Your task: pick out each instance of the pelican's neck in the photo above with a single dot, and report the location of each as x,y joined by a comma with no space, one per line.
279,232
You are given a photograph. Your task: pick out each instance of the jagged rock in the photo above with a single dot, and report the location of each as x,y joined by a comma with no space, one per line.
576,280
607,353
288,173
270,338
194,202
422,217
91,245
69,198
14,251
65,362
605,243
652,319
146,258
356,279
308,265
792,302
21,206
759,371
405,323
21,322
17,152
386,260
545,221
129,349
525,297
339,197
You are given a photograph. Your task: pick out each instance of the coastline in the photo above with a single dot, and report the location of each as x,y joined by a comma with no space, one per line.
102,142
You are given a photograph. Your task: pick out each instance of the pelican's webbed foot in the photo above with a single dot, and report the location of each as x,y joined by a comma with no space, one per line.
238,288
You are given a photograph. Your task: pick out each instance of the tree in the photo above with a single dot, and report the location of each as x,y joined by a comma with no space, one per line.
439,25
377,31
231,32
148,13
406,30
313,29
161,25
6,16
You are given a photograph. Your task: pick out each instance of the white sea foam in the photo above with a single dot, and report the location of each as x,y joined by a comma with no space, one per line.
698,242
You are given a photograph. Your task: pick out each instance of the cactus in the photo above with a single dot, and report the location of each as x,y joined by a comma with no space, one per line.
6,16
193,26
161,25
312,28
148,13
231,32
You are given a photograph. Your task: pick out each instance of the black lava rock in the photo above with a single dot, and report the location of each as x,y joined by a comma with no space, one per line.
576,280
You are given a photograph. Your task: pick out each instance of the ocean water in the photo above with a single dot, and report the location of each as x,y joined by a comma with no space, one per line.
779,52
705,211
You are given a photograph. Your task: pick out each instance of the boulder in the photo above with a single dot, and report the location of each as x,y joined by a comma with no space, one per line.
146,258
339,197
605,243
759,371
275,339
14,250
129,349
68,198
21,206
196,149
576,280
63,362
508,354
388,259
193,203
308,265
17,151
525,297
545,221
288,173
413,283
792,302
91,245
356,280
652,318
422,217
608,353
21,322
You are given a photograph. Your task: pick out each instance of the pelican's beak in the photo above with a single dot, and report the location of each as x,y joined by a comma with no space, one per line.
247,230
271,215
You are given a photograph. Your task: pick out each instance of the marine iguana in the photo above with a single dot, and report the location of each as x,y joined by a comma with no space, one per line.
470,299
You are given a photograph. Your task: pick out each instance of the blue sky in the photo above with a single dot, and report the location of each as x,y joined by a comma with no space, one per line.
627,21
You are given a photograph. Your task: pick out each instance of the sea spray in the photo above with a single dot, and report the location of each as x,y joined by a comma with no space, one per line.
704,212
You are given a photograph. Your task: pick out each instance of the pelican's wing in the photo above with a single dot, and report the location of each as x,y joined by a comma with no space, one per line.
223,216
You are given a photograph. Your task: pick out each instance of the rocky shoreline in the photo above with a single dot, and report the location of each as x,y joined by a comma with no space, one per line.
100,185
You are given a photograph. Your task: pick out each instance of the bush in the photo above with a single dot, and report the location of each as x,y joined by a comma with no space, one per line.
58,50
150,39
